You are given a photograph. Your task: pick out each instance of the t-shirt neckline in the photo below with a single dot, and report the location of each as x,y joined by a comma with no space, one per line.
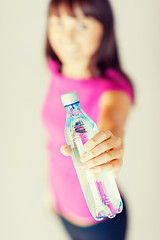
55,67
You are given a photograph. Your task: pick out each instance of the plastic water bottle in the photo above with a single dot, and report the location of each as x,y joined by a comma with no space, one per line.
99,189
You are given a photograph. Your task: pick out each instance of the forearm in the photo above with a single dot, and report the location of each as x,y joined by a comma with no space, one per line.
118,131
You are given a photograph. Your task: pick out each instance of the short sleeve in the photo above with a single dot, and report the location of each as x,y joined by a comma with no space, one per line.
119,82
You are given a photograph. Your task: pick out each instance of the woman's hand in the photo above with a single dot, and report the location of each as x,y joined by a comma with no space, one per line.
103,152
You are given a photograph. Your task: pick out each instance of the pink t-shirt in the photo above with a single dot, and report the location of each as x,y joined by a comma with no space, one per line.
62,175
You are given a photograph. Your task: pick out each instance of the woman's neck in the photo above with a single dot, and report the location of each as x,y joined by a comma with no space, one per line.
78,71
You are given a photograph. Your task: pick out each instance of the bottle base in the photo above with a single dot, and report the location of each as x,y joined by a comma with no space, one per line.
107,211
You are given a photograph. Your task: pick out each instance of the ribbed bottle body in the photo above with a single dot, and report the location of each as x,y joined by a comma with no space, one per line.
99,189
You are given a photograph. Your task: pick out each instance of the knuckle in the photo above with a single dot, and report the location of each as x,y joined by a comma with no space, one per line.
92,153
119,140
121,151
113,164
92,142
92,163
104,134
104,144
108,166
108,145
121,162
101,168
109,133
109,155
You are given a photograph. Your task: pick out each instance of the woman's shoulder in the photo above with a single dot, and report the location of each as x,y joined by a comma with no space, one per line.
117,77
118,83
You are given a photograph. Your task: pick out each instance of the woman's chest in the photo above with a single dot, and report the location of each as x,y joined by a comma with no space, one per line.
54,113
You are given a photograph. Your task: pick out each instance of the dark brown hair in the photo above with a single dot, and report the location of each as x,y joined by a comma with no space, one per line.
107,54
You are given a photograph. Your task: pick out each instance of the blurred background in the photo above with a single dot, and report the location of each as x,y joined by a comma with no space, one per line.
24,78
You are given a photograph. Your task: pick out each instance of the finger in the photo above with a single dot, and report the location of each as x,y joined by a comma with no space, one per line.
96,139
103,158
106,145
65,150
113,166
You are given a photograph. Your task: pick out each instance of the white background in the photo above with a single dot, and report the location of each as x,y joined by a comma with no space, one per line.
24,81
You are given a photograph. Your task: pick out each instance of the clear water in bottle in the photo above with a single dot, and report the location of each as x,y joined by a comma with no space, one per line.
99,189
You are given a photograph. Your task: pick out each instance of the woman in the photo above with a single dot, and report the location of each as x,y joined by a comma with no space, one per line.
82,55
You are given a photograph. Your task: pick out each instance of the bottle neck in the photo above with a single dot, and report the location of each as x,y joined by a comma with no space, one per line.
73,110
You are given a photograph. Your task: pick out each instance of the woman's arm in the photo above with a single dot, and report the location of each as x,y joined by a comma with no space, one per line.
115,106
105,149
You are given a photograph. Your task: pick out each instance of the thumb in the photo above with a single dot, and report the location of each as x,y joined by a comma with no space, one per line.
65,150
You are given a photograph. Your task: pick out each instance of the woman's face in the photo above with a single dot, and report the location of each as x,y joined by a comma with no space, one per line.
74,38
